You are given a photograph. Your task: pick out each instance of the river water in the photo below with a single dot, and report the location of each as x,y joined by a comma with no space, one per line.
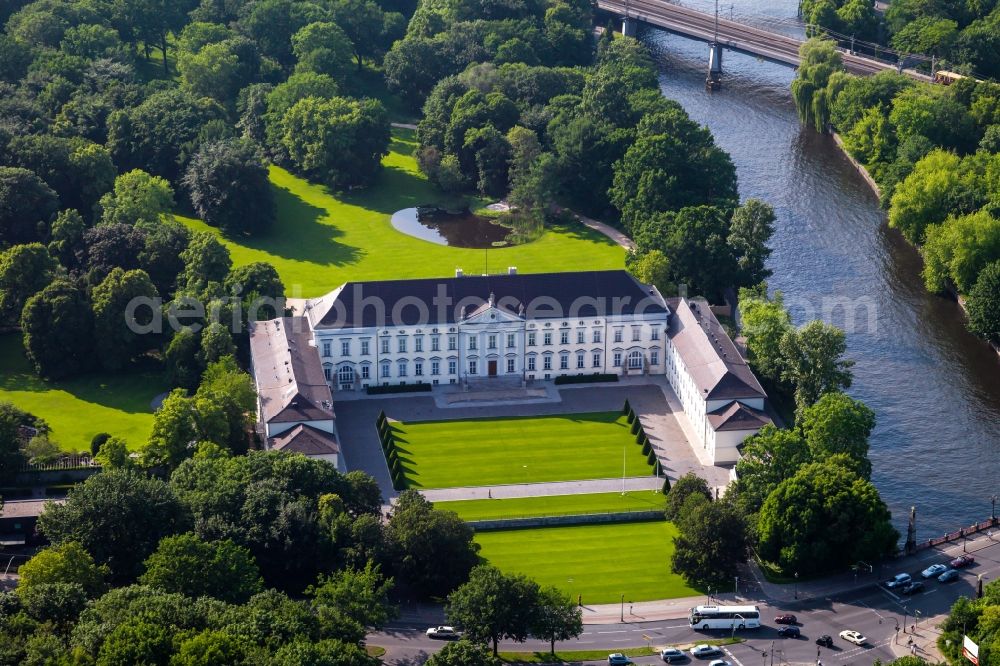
934,387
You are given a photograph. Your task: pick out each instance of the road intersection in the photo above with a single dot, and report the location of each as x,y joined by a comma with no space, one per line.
890,621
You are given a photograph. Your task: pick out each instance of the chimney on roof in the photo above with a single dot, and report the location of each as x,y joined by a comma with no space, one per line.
512,270
458,272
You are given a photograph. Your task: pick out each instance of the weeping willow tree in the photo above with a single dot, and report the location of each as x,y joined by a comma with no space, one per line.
820,65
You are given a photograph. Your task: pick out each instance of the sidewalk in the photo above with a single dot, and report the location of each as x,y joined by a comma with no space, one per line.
924,639
644,611
509,491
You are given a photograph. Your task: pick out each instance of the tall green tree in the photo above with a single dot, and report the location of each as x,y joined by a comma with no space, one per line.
750,231
823,518
835,424
764,321
431,549
983,303
206,261
65,563
124,306
24,271
219,569
557,617
57,328
494,606
464,653
229,187
27,207
137,199
768,457
356,598
813,361
118,517
712,543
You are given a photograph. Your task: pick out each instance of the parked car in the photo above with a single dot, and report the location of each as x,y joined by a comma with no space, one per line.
934,570
912,588
962,561
787,618
672,655
789,632
444,633
616,658
852,636
719,662
899,580
702,651
948,576
825,640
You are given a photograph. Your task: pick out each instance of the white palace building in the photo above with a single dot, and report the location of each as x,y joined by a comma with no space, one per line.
522,327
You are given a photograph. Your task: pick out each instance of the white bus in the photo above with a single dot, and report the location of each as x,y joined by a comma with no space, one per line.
725,617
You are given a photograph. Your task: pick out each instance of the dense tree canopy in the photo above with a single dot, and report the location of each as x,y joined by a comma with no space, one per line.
118,516
822,518
219,569
228,185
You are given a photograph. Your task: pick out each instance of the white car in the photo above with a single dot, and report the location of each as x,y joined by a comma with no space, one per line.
899,580
934,570
672,654
720,662
446,633
702,651
852,636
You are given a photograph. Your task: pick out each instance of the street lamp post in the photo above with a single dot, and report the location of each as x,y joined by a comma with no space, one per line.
904,618
737,585
623,608
743,621
708,598
993,511
796,588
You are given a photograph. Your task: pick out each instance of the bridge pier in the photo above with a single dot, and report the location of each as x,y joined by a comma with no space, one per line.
630,26
714,80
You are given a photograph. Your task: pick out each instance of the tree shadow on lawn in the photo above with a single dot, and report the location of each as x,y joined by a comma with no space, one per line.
395,190
128,391
579,231
299,234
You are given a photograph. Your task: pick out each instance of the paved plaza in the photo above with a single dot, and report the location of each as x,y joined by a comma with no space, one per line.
667,427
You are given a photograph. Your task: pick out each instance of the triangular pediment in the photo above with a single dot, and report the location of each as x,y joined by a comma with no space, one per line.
490,314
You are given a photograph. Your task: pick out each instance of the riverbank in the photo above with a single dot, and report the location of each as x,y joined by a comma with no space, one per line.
863,171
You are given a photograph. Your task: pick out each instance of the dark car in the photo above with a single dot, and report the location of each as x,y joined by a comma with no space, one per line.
825,640
912,588
787,618
949,575
962,561
789,632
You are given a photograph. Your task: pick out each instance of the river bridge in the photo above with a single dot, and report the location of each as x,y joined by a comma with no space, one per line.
721,33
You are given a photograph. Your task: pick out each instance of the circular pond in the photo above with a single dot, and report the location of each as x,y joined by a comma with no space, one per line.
455,229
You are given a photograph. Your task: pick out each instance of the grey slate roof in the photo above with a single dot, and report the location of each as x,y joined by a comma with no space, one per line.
288,372
717,367
543,295
307,440
737,416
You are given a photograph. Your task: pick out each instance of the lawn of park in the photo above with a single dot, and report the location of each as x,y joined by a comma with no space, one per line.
79,408
495,451
599,563
556,505
320,240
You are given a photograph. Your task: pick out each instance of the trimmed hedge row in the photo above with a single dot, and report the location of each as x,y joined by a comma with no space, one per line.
641,438
401,388
586,379
388,443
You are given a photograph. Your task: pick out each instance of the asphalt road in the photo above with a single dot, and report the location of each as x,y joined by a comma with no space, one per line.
874,611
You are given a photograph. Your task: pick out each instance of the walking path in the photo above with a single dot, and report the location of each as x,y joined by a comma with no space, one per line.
409,126
606,229
514,490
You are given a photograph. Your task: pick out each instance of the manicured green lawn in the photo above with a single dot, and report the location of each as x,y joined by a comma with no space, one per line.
322,239
597,562
556,505
486,452
79,408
